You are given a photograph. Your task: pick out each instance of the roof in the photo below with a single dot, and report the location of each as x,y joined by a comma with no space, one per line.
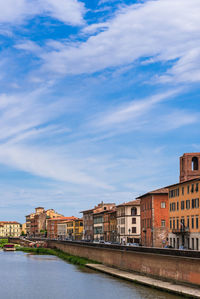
62,218
91,210
191,154
9,222
187,181
157,191
135,202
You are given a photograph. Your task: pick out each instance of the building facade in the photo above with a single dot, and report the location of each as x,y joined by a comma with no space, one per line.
184,214
88,233
128,222
98,219
71,229
154,218
10,229
110,225
36,223
52,226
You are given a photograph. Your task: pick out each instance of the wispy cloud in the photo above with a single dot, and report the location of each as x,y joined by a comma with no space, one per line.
17,11
170,37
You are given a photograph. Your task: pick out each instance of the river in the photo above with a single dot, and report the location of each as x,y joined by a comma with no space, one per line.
27,276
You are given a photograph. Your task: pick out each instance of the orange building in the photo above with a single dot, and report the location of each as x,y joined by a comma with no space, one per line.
154,218
184,212
184,229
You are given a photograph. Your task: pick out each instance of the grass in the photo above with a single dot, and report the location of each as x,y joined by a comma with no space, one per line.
62,255
3,242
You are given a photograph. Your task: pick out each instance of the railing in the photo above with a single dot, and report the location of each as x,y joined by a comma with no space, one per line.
182,230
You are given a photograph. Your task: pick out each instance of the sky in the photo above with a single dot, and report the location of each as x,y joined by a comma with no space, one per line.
98,100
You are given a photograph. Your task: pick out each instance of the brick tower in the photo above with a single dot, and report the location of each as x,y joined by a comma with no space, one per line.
189,166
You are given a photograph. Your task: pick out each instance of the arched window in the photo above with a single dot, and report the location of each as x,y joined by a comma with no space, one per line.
195,163
133,211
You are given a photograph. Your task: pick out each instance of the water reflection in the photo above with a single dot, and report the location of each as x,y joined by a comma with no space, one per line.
26,276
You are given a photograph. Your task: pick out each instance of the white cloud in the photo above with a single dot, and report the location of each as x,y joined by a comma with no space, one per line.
26,120
46,163
17,11
154,30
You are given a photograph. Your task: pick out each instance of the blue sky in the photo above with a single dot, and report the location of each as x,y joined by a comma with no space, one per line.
98,99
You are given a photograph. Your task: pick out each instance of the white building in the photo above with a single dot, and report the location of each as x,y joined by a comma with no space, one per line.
10,229
128,222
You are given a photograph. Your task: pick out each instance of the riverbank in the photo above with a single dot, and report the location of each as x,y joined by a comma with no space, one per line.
3,242
60,254
170,287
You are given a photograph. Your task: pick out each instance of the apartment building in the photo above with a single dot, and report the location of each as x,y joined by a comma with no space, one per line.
184,211
52,226
128,222
88,233
110,225
10,229
36,223
184,214
154,218
98,219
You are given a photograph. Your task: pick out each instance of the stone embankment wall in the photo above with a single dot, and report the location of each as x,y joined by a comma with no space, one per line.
172,265
176,268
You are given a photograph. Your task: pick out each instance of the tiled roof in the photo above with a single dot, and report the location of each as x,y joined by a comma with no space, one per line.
135,202
62,218
91,210
157,191
9,222
187,181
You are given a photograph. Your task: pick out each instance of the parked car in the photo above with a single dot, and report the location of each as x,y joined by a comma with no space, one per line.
182,247
132,244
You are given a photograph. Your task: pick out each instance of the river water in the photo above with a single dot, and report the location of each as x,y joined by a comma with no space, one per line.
26,276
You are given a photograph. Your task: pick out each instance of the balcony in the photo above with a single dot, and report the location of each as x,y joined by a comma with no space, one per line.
182,230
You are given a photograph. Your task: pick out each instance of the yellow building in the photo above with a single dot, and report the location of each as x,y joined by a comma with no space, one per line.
10,229
71,229
78,229
24,228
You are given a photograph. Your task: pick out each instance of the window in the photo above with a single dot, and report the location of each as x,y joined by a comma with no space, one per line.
182,205
195,164
177,205
170,223
163,205
163,223
192,222
193,203
134,211
173,223
187,204
133,220
133,230
197,203
188,221
188,189
122,230
197,187
122,220
173,206
192,188
197,222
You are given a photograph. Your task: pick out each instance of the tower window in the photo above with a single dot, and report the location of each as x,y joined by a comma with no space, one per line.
195,164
